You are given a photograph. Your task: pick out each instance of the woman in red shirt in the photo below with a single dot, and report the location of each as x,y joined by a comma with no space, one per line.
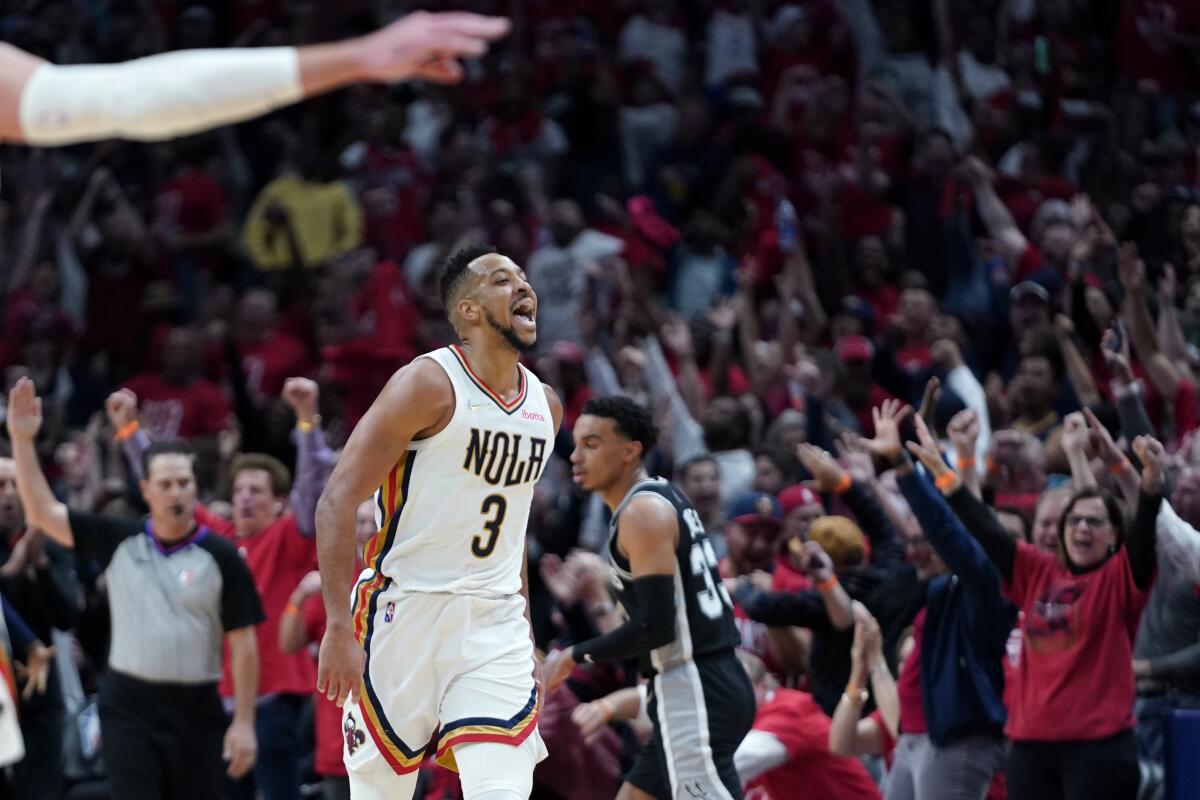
1070,716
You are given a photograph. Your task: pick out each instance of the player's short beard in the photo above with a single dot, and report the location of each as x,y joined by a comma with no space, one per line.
509,334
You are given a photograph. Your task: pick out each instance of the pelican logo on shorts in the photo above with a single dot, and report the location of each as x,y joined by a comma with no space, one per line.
697,790
354,737
389,612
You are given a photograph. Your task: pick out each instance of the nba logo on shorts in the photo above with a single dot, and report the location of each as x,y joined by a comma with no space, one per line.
389,612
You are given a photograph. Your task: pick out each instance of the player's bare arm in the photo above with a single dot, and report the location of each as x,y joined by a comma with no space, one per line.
647,535
556,408
184,92
417,402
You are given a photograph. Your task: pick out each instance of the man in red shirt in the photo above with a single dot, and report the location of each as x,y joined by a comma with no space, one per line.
176,403
269,356
191,211
274,534
390,180
786,754
857,383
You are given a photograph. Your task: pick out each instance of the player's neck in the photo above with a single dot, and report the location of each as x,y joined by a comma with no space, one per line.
496,365
613,496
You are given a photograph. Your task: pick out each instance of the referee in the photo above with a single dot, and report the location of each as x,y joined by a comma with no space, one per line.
174,592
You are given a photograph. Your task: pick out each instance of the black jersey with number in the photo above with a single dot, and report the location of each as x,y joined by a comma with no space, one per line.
703,610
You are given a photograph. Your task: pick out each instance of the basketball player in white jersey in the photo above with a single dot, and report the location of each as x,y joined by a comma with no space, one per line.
173,94
439,618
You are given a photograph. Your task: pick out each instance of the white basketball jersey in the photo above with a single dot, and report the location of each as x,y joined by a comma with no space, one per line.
452,514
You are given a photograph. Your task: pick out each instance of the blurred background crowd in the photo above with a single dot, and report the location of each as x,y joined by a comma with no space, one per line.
764,219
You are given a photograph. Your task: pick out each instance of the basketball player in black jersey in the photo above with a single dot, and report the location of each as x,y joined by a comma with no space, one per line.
680,619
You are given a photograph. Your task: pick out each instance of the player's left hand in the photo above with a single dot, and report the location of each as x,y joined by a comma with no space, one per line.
557,668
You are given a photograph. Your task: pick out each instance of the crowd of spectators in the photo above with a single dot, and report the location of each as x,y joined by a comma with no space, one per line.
772,221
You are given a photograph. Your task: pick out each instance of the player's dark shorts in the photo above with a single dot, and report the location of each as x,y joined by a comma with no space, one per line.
701,711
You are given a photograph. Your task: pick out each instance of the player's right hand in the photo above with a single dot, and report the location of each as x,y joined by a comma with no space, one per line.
340,666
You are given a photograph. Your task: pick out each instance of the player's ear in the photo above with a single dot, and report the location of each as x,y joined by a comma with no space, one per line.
468,309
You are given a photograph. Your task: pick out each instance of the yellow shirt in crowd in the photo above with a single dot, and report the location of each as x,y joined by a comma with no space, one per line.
325,219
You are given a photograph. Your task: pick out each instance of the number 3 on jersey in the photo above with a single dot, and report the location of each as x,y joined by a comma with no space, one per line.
493,509
714,598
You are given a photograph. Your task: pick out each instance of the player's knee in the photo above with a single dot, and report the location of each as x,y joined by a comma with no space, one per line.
377,781
493,771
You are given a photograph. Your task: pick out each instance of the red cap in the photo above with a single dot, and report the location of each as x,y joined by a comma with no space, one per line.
854,348
797,496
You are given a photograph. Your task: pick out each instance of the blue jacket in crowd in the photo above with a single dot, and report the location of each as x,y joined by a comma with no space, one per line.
967,624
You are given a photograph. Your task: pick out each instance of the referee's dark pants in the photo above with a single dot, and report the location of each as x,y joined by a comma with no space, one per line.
162,741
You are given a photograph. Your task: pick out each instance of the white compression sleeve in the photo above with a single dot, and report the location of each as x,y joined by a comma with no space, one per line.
158,97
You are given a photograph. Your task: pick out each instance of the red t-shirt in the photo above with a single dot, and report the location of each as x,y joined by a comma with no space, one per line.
914,357
392,188
787,579
883,300
179,412
386,321
864,414
736,382
327,716
811,771
1074,679
887,743
912,709
278,557
190,204
384,312
268,364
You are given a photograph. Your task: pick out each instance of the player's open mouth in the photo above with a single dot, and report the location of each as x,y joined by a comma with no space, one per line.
523,313
577,475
